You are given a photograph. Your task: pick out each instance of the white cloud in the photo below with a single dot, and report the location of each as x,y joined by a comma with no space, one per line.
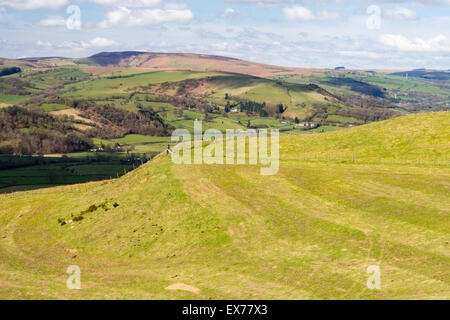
232,13
98,42
102,42
225,46
260,2
299,14
73,45
53,22
228,12
302,14
145,17
400,13
129,3
402,43
41,43
324,2
175,6
34,4
360,54
329,16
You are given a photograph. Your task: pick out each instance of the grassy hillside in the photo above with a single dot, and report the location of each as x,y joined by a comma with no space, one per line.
420,138
309,232
408,94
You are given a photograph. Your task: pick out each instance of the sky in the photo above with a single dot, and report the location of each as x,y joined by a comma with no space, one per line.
363,34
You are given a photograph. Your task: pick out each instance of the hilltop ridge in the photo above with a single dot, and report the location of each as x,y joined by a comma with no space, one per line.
167,62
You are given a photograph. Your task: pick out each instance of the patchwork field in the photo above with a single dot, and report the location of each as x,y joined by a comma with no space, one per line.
226,232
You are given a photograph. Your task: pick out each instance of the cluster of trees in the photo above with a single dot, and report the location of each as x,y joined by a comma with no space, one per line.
252,107
358,86
25,131
8,71
16,118
369,114
366,101
15,86
188,85
113,122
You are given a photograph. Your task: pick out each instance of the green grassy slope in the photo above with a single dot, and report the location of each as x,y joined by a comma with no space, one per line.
309,232
419,138
105,87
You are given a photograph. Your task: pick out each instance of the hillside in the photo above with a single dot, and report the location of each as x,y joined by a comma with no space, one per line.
164,62
167,231
318,97
418,138
425,74
188,62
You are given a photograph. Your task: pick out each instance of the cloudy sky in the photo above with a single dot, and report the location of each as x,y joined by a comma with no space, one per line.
303,33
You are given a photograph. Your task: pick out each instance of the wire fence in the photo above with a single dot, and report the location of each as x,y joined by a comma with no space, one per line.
358,159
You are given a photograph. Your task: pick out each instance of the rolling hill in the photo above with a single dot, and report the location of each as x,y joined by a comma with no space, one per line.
425,74
163,62
342,201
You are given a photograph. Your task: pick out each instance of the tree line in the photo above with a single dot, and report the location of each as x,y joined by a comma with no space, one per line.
9,71
26,131
112,122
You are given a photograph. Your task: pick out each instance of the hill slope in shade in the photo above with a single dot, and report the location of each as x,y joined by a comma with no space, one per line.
309,232
425,74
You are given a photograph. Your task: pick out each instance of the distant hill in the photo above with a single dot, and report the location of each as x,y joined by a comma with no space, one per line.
425,74
16,63
191,62
166,62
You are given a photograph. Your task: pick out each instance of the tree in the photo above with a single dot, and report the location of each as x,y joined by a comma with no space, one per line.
227,107
52,176
263,113
280,108
206,117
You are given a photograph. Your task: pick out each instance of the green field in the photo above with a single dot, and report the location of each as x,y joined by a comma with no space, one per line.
135,139
295,96
53,107
150,146
226,232
12,98
342,119
105,87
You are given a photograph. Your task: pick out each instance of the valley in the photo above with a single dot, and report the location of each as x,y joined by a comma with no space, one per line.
126,104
